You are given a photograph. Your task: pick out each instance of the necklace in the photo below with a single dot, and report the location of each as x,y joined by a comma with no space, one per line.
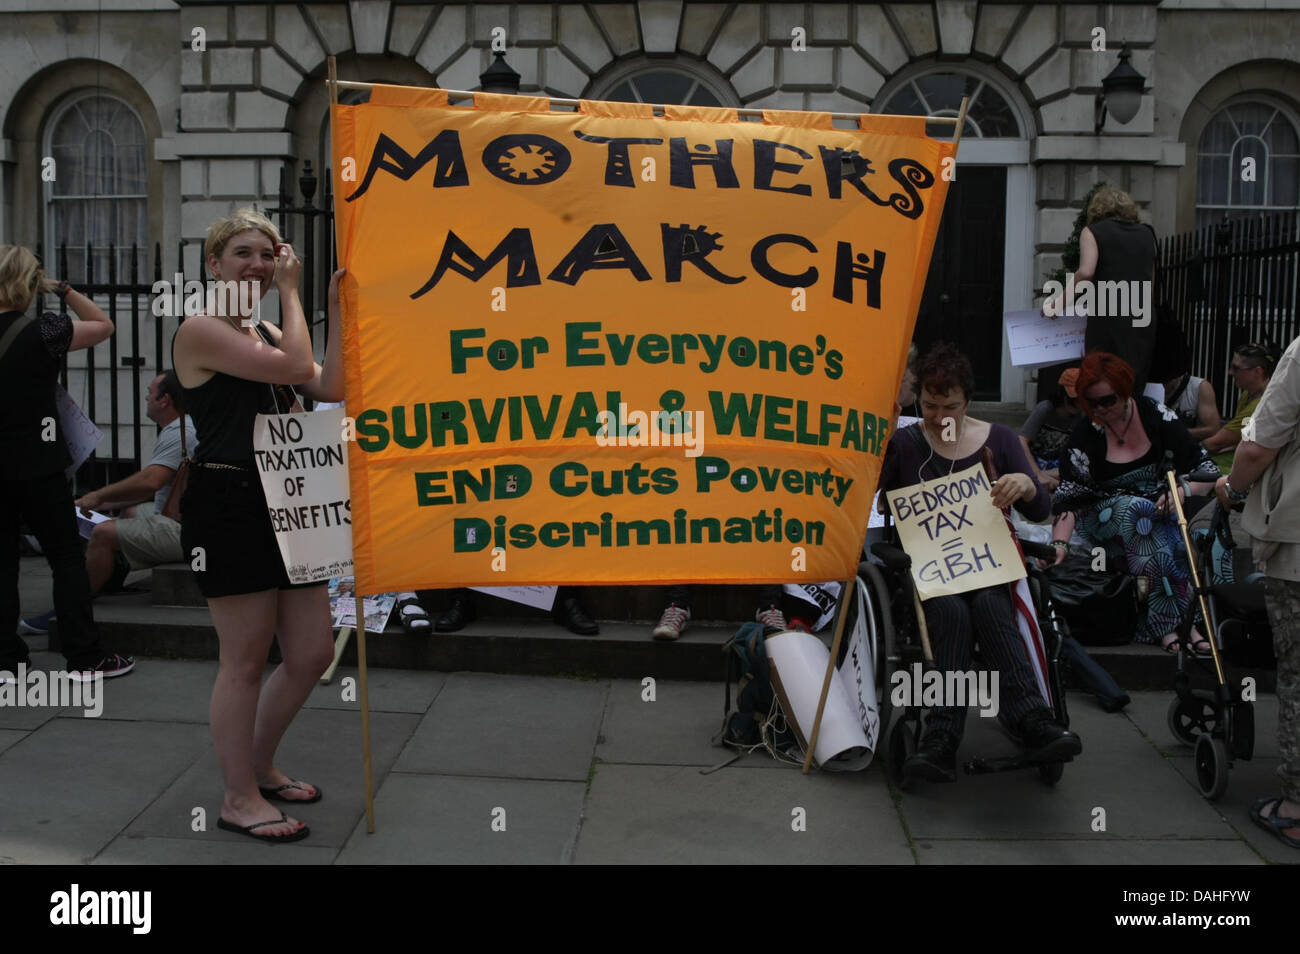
1127,422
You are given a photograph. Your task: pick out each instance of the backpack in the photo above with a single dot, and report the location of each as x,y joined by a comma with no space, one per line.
756,721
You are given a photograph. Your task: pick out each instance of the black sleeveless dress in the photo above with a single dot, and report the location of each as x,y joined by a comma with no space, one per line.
226,533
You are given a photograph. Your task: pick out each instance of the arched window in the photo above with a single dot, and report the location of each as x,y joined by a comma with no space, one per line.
1226,182
679,82
99,191
989,115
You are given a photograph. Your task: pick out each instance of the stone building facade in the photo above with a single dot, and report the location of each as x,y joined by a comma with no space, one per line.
178,111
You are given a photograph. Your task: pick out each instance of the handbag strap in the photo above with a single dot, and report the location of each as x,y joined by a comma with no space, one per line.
276,398
21,322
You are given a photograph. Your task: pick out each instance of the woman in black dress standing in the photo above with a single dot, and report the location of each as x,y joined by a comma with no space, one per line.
229,365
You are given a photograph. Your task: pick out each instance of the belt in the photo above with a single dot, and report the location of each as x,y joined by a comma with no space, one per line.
213,465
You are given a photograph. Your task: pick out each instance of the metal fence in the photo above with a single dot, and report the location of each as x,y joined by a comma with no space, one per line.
140,346
1230,284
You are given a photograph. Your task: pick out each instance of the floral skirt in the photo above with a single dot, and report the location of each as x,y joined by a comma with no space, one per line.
1145,544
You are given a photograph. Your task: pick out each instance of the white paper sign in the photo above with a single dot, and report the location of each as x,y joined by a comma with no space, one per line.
79,431
850,726
1035,340
957,539
542,597
303,463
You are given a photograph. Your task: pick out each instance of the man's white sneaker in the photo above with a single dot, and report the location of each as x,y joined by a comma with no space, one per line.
672,622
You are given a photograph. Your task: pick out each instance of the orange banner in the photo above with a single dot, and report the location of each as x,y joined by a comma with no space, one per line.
602,346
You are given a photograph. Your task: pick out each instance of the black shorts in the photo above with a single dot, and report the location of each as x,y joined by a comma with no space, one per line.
224,513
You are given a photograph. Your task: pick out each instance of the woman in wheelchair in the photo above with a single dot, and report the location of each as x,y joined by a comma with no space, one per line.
947,440
1113,486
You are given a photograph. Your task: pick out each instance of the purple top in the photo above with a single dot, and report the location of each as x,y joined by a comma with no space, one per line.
908,460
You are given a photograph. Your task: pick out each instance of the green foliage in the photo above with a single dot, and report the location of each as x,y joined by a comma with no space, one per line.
1070,256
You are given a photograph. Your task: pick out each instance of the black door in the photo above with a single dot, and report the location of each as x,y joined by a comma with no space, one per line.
962,301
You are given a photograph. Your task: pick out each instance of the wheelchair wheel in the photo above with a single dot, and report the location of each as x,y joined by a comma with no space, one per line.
902,746
1242,742
1212,766
881,629
1051,772
1196,715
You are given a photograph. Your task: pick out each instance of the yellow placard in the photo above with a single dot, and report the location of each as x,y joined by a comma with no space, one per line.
957,538
603,346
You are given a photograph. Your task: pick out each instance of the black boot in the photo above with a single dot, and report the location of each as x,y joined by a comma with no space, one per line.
1046,739
936,759
458,615
568,612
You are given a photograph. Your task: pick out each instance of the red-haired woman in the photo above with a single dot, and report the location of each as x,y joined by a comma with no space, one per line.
1113,486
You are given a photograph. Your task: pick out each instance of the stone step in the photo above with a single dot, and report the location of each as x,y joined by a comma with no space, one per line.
173,585
131,623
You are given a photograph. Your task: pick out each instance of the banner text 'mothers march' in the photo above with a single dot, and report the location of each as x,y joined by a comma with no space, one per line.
604,346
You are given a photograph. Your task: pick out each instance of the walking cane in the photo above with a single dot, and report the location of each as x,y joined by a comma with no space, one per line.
1212,635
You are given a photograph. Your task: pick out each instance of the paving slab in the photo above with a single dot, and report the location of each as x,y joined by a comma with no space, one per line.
138,850
508,726
322,746
177,693
1110,851
391,690
675,729
74,784
427,819
10,737
1118,771
1247,781
33,717
669,814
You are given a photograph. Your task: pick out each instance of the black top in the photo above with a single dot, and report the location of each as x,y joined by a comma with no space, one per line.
1126,253
224,409
1084,468
29,372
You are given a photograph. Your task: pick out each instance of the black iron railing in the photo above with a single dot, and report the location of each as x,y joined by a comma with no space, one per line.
1230,284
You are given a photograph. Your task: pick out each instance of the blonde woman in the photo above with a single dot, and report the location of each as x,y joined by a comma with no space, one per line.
1116,247
33,458
230,366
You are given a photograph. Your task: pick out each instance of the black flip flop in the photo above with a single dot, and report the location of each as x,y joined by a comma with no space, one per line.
273,794
1273,824
248,830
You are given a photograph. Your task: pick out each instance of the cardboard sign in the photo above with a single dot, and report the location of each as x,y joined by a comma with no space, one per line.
540,597
957,539
1035,340
605,346
303,462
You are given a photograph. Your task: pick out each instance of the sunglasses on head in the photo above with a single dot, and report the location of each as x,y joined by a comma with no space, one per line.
1106,400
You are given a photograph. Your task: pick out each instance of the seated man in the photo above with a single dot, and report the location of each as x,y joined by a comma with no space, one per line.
945,441
119,546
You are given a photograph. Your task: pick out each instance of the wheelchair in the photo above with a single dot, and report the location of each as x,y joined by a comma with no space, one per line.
896,626
1219,722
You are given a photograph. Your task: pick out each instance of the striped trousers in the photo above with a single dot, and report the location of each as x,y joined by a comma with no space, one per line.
986,615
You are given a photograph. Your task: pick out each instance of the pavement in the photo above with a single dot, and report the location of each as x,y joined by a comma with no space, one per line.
489,768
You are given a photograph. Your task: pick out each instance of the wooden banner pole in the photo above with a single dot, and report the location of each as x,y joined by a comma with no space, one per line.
340,644
363,677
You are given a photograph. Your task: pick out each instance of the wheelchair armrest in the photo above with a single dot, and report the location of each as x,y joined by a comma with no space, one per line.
892,557
1040,550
